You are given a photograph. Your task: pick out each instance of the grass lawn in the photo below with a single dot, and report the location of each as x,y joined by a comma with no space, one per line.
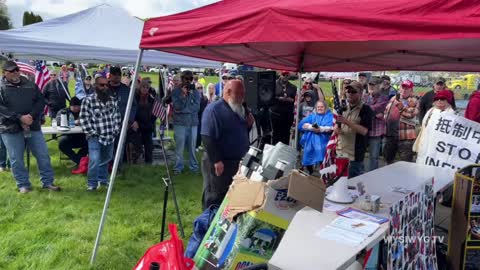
47,230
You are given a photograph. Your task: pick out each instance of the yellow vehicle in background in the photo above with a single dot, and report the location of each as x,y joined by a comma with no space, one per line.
469,82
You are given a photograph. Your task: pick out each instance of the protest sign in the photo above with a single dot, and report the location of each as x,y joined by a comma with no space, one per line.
449,141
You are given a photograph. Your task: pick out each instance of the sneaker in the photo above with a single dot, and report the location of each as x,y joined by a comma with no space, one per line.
24,190
91,188
3,169
52,187
104,185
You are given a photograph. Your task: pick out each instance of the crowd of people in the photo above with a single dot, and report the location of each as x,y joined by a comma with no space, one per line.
99,112
375,118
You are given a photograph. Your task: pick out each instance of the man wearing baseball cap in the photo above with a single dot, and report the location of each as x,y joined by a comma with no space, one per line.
426,102
377,102
21,108
219,86
355,121
400,132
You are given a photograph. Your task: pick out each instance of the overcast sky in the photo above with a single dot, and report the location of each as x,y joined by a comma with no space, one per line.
49,9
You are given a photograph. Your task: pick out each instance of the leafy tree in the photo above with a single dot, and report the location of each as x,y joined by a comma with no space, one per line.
5,22
31,18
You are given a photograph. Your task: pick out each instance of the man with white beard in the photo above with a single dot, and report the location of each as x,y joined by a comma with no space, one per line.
225,125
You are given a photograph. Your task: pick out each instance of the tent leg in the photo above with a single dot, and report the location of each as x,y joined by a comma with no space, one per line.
123,134
297,109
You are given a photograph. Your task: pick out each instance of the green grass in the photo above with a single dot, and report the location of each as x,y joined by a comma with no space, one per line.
47,230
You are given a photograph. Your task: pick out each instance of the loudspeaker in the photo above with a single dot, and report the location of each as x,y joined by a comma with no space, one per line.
260,88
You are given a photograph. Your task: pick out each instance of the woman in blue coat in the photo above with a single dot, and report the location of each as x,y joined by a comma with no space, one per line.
316,129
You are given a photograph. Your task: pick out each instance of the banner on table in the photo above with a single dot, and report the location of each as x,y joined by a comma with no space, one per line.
449,141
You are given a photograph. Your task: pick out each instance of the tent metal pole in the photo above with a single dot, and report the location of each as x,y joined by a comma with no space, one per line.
220,82
299,91
118,155
297,109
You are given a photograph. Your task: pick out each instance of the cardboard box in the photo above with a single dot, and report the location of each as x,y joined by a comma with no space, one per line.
307,189
248,226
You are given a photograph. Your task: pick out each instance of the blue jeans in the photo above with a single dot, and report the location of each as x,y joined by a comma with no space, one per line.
3,154
355,168
15,143
99,156
374,145
185,137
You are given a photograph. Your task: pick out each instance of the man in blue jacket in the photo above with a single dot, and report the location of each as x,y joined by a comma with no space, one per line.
186,104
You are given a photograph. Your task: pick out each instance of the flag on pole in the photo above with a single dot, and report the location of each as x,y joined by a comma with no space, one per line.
328,166
159,110
42,74
26,68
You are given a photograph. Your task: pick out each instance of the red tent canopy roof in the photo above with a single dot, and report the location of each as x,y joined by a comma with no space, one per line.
326,35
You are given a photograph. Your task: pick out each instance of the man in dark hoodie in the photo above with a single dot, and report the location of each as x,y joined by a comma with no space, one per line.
308,104
68,142
473,108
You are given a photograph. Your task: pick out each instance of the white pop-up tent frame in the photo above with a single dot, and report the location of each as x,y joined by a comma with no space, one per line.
101,34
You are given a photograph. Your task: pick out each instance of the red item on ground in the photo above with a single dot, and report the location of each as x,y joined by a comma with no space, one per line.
168,254
82,167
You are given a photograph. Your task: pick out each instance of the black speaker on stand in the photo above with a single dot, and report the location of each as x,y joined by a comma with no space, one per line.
259,96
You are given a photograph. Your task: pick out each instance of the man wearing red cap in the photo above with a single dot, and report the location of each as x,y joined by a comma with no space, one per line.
400,133
473,108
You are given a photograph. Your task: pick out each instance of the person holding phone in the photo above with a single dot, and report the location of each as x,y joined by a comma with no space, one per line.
317,128
186,105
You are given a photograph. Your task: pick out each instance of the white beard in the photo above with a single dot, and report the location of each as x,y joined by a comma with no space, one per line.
237,108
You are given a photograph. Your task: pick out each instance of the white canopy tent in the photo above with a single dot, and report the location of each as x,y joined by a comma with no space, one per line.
101,34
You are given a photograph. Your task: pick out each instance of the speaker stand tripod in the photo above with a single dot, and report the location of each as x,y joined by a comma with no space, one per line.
169,186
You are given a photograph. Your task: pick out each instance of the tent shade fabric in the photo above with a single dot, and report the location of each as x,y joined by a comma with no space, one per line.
326,35
102,34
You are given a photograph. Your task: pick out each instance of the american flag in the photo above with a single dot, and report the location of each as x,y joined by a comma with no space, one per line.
330,157
159,110
26,68
332,166
42,74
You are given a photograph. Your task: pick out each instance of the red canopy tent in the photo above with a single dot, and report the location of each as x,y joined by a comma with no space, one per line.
318,35
326,35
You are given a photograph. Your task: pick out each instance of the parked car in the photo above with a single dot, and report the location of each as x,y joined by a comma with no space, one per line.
154,69
54,63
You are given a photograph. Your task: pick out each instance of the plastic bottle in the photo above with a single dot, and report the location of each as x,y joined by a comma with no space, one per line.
71,120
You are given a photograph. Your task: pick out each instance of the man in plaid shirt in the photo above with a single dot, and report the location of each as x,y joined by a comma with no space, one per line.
401,121
101,120
377,102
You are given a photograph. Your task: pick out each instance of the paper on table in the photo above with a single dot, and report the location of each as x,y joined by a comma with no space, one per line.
348,231
332,207
357,214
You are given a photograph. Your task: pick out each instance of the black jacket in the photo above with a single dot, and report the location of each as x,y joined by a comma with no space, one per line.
55,95
17,100
144,115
